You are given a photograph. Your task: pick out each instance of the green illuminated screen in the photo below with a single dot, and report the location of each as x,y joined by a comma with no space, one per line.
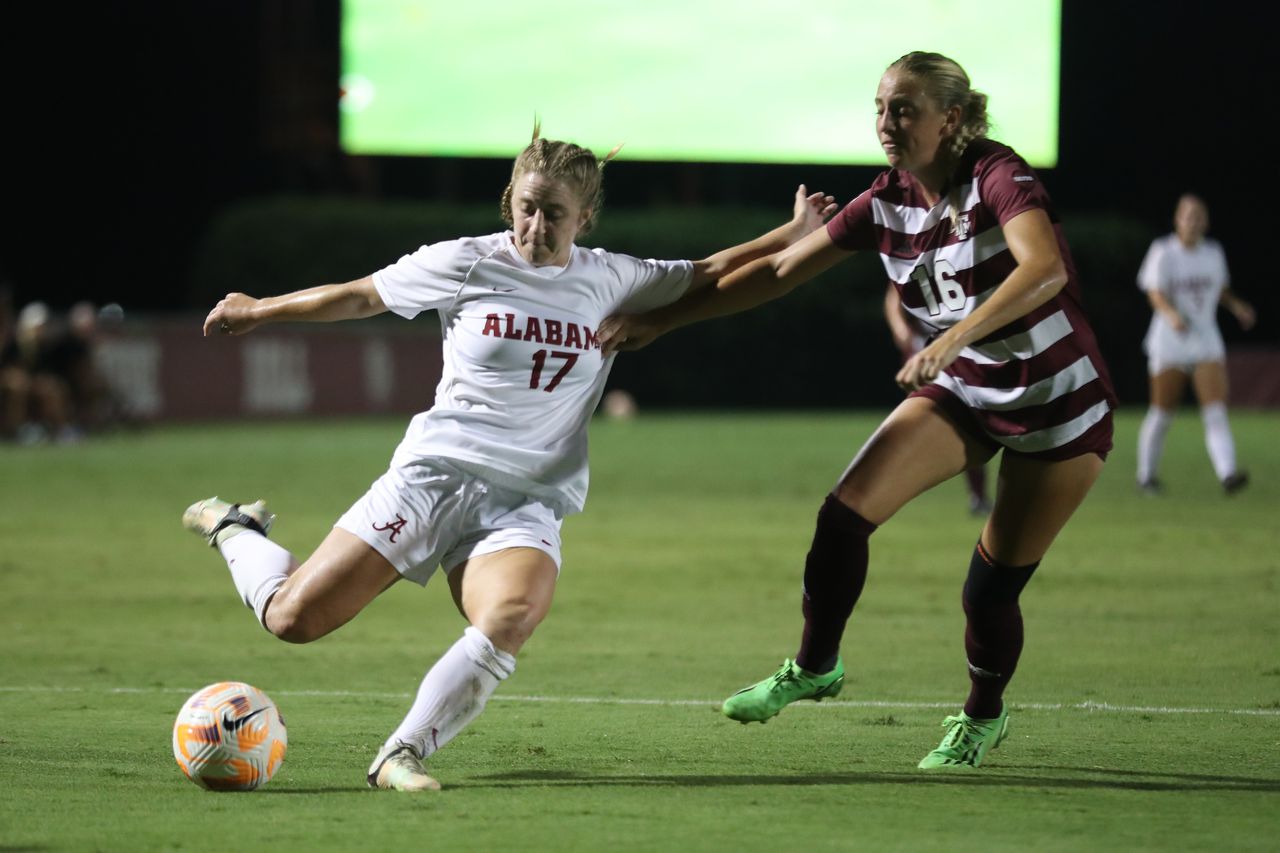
770,81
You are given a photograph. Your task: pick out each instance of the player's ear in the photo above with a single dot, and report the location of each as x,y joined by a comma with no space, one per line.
584,216
951,122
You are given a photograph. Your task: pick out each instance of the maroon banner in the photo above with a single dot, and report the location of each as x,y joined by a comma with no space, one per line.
166,370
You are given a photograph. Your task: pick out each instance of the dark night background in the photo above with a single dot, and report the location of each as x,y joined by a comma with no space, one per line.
130,126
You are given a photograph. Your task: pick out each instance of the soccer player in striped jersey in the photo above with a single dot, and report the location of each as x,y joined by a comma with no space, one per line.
1185,278
481,482
969,238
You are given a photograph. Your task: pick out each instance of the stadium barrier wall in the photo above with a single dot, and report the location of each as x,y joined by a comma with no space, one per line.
164,369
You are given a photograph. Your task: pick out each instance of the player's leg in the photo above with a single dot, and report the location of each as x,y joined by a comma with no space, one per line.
1167,387
918,446
1034,500
296,603
975,480
1210,382
504,595
15,393
329,589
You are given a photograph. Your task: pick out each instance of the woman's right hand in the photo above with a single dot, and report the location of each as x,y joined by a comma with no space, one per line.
233,315
625,332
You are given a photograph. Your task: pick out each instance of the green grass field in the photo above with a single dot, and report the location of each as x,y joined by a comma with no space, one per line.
1146,712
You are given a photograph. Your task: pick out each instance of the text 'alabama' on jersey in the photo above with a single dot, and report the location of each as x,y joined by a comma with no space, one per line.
1192,279
1034,385
522,367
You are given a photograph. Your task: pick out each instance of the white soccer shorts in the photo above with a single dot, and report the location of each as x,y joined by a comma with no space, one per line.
433,514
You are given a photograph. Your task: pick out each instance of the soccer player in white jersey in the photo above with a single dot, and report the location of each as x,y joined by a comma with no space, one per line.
969,238
1185,278
481,481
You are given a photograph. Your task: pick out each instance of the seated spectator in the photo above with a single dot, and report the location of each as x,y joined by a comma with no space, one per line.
41,355
14,380
90,397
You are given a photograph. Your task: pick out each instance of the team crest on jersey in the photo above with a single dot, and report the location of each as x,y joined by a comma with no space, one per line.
961,227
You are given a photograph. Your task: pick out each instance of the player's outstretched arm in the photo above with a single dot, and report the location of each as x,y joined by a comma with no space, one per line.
239,313
809,212
756,283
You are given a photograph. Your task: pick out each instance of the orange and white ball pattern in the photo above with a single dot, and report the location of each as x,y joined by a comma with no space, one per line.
229,736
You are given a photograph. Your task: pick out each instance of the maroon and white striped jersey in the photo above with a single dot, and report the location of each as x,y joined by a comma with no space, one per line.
1039,383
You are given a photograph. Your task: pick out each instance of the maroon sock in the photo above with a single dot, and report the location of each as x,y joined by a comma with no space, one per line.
976,480
834,573
993,630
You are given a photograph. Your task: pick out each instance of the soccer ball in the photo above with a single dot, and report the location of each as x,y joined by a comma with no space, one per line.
229,737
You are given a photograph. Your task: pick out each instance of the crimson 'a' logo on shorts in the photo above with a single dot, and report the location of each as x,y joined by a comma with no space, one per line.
394,526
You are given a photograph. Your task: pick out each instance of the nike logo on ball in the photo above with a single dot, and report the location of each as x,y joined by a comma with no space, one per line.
234,726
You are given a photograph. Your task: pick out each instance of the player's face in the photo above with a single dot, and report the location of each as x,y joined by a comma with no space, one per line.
547,216
911,126
1191,220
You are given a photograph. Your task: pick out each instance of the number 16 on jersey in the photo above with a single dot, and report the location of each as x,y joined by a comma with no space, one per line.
942,287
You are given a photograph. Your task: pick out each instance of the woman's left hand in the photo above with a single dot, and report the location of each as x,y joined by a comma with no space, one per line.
1245,315
810,212
924,367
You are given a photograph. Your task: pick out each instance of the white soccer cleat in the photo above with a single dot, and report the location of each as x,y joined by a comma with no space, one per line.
217,521
398,768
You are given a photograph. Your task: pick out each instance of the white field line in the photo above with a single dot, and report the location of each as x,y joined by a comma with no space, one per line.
829,705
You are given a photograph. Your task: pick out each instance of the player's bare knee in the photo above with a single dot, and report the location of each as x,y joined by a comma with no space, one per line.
292,623
510,624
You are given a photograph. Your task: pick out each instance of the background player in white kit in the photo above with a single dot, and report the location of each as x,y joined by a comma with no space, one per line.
481,481
1185,277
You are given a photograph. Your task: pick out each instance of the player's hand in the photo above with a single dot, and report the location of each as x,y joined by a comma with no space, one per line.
924,367
1176,321
626,332
1245,315
233,315
810,211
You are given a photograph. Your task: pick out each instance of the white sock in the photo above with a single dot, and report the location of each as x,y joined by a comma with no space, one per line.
258,568
453,693
1151,442
1217,438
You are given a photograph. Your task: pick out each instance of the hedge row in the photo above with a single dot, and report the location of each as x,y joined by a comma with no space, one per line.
823,345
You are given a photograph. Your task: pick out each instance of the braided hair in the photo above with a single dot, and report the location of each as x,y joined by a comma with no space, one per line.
561,161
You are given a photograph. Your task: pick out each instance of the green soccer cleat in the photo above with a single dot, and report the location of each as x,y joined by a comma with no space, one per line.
765,699
217,521
968,740
398,768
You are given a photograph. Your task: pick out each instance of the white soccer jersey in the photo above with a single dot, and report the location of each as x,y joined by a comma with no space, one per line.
522,367
1192,279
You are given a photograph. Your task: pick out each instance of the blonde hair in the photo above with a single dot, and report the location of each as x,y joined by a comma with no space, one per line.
948,85
561,161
